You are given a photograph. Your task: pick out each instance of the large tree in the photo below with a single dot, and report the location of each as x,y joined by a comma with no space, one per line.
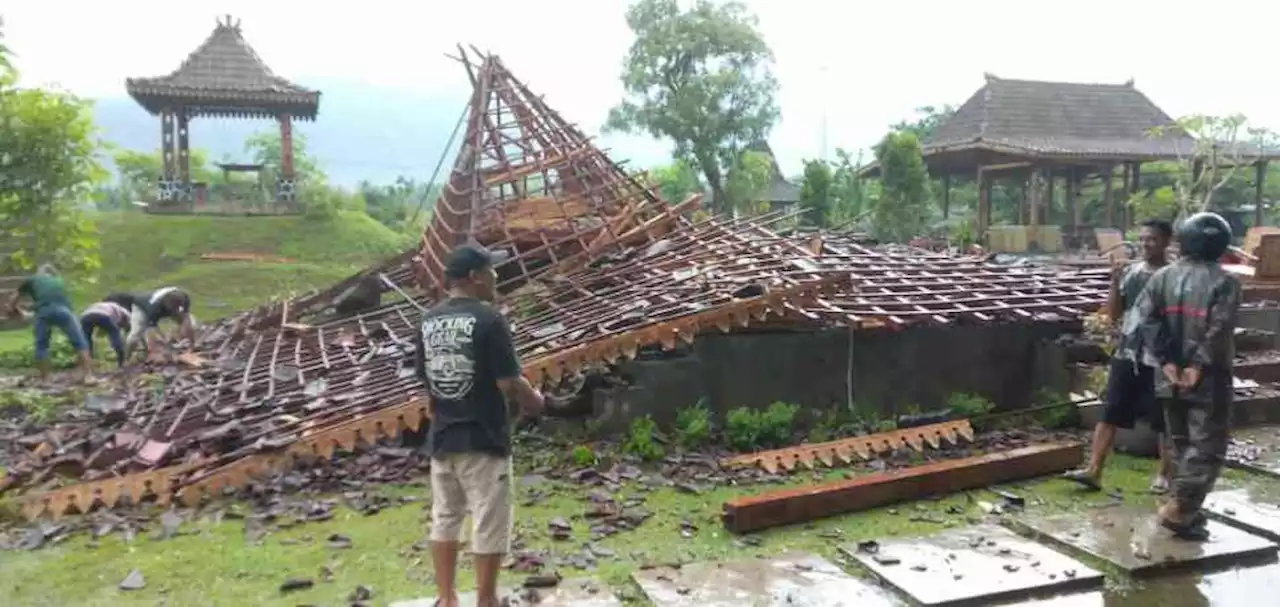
677,181
816,193
48,169
702,78
903,209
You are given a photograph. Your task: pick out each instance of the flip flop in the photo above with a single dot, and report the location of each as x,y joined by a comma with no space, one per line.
1082,478
1159,485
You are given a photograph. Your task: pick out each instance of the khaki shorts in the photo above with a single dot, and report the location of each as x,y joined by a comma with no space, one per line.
475,483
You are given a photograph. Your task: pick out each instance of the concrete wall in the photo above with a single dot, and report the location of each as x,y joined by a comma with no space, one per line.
923,366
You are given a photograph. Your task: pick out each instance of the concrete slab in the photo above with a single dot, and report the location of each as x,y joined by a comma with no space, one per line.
583,592
978,565
1133,540
793,580
1251,510
1256,450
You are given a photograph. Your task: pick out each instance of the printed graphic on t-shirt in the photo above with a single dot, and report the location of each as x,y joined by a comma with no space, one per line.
448,350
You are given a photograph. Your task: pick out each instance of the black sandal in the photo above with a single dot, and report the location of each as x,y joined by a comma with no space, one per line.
1082,478
1194,530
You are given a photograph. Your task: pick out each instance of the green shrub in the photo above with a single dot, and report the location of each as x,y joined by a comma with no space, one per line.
642,440
693,425
584,456
747,429
969,405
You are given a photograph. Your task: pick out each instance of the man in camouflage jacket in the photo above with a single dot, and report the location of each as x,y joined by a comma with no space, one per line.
1187,316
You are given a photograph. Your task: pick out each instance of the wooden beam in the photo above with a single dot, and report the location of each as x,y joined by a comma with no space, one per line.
790,506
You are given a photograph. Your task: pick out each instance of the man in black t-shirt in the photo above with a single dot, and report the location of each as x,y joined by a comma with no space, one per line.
466,358
148,309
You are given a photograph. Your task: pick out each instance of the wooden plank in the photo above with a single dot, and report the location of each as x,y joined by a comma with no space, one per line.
790,506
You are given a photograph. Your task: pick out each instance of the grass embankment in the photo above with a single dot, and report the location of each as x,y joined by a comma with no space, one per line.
141,252
215,565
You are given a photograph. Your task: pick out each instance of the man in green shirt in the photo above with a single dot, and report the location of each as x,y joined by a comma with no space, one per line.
52,308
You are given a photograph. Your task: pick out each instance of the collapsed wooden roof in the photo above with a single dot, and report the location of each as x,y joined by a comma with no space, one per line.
224,76
602,268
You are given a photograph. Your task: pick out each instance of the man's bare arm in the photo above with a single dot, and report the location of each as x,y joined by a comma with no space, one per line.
518,390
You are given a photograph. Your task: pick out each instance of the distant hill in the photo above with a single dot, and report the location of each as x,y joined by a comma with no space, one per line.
362,132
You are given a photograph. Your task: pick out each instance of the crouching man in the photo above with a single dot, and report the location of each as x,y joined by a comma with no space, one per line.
112,318
466,358
1187,314
147,310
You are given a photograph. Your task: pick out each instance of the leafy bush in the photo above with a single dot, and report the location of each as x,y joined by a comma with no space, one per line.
693,425
584,456
969,405
747,429
642,440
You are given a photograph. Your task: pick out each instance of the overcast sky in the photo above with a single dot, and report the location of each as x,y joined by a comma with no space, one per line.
865,63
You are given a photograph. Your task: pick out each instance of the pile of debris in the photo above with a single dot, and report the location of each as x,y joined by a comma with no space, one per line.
601,267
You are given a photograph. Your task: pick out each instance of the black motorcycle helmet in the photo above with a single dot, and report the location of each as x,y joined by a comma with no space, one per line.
1204,237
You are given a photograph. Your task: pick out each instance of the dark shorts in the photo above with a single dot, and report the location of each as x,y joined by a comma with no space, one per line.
1131,395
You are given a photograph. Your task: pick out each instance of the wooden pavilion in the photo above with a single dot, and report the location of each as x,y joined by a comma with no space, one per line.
222,78
1039,134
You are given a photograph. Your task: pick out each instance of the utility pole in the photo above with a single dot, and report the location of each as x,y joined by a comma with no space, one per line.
823,71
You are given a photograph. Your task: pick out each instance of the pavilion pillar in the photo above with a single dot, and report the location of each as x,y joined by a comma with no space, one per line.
286,185
1134,187
1049,194
984,205
946,196
1108,196
183,153
1035,213
166,187
1259,181
1024,179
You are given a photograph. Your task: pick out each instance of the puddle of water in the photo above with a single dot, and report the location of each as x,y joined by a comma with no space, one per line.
974,565
1132,539
797,580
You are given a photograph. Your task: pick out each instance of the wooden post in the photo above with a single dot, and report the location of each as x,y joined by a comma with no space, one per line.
1134,188
1049,203
946,196
166,143
184,152
286,146
1259,181
1023,202
984,205
1108,197
1038,189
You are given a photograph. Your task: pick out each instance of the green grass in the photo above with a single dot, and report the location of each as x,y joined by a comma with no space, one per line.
141,252
217,566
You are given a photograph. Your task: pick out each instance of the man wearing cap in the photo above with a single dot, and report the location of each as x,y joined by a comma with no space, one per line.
467,360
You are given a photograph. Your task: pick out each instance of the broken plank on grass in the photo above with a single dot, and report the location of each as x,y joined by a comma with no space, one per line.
802,504
864,447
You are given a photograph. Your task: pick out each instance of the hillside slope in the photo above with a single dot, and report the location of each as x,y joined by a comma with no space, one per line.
141,252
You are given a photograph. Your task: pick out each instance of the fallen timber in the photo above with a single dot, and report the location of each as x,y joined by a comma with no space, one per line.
866,447
803,504
601,268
